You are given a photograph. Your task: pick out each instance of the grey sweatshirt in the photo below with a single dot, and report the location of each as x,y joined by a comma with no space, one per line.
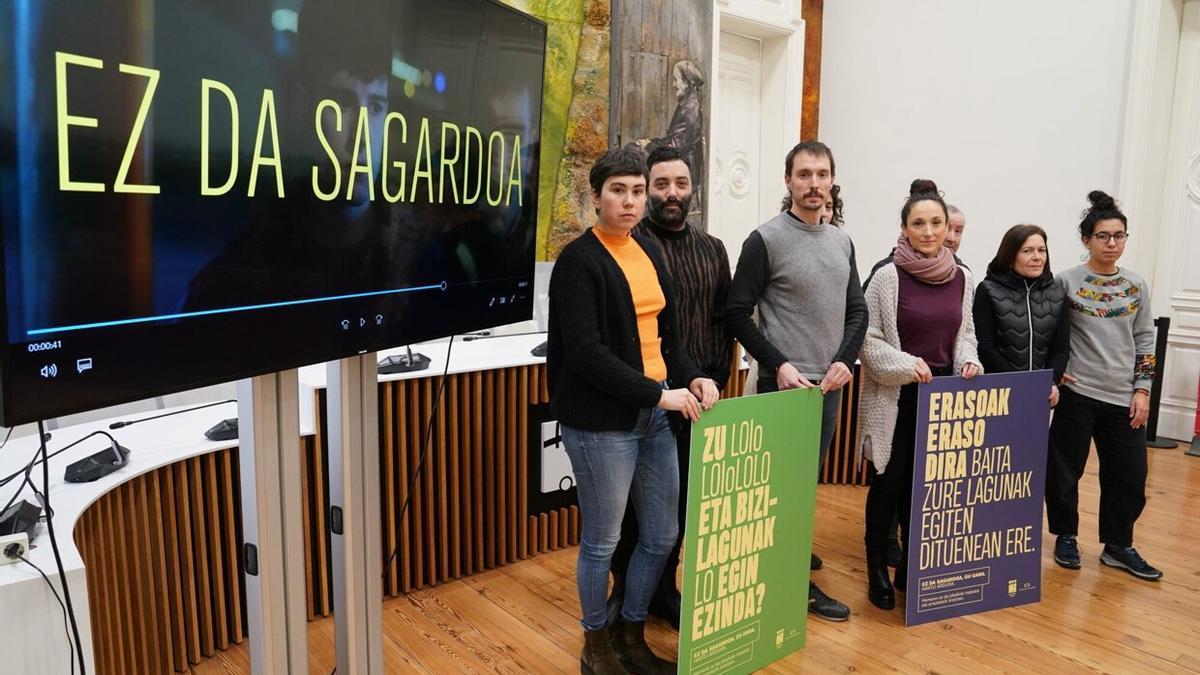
804,281
1112,333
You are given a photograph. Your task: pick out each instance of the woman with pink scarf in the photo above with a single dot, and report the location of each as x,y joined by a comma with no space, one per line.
921,326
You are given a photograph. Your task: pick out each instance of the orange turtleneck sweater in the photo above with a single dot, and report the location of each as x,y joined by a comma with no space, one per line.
648,298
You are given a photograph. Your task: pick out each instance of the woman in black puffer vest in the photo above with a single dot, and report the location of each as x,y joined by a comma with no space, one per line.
1020,312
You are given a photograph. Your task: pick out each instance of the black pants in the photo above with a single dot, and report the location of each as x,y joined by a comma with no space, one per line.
890,493
1078,420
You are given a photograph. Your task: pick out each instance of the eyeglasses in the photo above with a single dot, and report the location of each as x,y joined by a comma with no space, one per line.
1118,237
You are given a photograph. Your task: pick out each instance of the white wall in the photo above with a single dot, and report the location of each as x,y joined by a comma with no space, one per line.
1014,108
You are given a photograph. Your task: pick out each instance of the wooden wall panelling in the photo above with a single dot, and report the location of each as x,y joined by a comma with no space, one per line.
516,413
466,478
172,595
387,487
500,461
477,429
200,537
232,517
220,632
415,505
162,600
522,475
108,569
489,459
403,562
455,471
429,478
443,485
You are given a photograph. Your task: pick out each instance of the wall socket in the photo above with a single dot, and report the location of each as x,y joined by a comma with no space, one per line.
8,554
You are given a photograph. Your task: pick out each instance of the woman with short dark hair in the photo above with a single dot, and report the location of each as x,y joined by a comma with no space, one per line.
616,366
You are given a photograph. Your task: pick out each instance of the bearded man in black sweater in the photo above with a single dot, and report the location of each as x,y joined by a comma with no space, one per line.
699,268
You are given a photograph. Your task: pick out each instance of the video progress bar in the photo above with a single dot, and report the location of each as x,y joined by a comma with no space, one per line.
230,310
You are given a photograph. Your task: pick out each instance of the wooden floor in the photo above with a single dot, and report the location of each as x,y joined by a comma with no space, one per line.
523,618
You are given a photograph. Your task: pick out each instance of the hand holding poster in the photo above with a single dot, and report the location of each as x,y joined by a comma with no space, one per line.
979,466
753,479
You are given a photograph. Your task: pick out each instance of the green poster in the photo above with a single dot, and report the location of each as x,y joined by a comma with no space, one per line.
752,488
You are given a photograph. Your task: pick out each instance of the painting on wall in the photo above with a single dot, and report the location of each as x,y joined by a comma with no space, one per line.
575,114
686,132
663,72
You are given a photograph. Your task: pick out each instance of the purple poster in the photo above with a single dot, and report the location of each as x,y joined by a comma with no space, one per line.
979,472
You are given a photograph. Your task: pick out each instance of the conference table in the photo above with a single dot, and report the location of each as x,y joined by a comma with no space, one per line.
151,553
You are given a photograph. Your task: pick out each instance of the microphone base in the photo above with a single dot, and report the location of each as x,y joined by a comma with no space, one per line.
225,430
96,466
20,517
401,363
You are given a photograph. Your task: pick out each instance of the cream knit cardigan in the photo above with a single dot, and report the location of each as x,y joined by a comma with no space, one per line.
885,367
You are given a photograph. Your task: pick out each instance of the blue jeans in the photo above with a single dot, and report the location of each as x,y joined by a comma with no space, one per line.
610,468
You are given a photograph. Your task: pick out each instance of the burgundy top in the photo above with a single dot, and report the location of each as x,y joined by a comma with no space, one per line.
928,317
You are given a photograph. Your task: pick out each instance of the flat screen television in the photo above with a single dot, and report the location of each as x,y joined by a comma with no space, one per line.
196,191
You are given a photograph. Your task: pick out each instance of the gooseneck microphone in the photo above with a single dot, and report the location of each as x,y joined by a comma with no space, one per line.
124,423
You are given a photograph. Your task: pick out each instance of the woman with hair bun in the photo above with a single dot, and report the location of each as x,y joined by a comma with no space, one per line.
1105,397
920,327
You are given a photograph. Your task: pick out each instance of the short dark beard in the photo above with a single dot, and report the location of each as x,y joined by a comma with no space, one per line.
658,211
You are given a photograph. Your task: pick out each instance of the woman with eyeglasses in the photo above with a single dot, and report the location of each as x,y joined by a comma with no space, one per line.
1105,397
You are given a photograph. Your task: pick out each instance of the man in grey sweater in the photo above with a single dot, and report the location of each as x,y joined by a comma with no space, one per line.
802,276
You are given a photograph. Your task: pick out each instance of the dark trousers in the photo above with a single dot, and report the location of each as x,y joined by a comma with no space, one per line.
1078,420
890,494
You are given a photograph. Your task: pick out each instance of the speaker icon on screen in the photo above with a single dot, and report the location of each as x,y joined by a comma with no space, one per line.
50,370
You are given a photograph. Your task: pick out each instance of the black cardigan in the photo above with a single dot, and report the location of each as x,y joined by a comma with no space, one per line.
594,355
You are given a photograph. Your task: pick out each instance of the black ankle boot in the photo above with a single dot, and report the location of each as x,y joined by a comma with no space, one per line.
599,657
880,587
629,641
901,582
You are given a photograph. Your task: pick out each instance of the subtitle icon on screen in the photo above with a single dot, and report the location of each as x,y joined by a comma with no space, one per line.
83,365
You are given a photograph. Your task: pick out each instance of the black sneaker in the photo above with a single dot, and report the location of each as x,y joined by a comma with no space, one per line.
824,606
1129,560
816,562
1066,552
